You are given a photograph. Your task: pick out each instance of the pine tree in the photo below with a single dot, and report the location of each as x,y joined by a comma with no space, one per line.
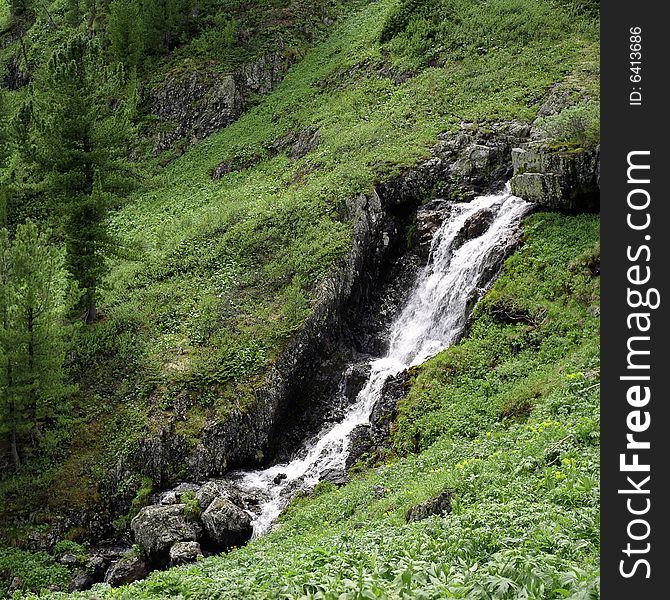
33,295
73,13
124,28
18,8
164,22
81,133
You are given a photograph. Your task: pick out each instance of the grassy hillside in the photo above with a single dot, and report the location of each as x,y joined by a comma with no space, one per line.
212,278
508,421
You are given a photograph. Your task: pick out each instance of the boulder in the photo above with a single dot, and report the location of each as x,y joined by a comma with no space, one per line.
476,225
68,559
360,444
567,180
174,495
335,476
182,553
130,568
81,580
308,140
226,524
157,528
215,489
278,478
373,436
15,585
435,506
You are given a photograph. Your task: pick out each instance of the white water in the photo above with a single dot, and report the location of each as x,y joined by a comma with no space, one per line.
432,319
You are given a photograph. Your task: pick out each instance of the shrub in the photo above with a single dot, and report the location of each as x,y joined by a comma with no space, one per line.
192,508
578,125
36,570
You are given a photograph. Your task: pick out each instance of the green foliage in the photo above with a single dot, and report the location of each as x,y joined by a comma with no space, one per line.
80,142
70,547
124,28
192,508
524,521
144,486
416,30
165,23
19,8
36,570
576,125
33,300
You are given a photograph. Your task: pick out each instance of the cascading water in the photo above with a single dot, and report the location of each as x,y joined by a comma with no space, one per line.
433,318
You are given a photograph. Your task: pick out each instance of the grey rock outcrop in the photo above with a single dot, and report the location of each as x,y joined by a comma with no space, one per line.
226,524
335,476
194,104
182,553
307,141
435,506
464,163
15,77
157,528
372,437
81,580
557,179
128,569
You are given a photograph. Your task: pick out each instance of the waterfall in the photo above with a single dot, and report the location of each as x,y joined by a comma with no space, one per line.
462,261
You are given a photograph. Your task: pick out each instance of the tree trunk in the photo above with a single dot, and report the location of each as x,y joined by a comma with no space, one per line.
15,452
91,313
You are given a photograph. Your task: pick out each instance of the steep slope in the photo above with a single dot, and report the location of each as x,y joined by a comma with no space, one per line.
506,423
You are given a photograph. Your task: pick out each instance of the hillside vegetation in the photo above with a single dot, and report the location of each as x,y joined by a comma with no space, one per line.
508,421
208,279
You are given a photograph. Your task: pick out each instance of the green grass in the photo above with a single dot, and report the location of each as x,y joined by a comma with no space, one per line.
211,279
5,16
525,518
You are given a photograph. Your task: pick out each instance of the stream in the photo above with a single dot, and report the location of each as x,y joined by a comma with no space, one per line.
460,266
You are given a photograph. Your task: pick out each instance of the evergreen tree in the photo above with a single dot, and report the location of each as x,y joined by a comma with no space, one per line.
81,133
72,13
18,8
164,22
33,293
124,28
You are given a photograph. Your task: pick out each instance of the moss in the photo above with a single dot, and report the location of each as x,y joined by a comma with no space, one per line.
192,508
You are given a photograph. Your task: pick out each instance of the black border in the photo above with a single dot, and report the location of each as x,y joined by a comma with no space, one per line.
626,128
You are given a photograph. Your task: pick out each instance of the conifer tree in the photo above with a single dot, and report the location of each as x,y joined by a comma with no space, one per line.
33,296
81,128
124,28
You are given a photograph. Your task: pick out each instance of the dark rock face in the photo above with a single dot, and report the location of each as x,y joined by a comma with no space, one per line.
308,140
371,438
183,553
335,476
226,524
81,580
130,568
195,104
429,218
435,506
557,180
156,528
475,226
464,164
15,78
